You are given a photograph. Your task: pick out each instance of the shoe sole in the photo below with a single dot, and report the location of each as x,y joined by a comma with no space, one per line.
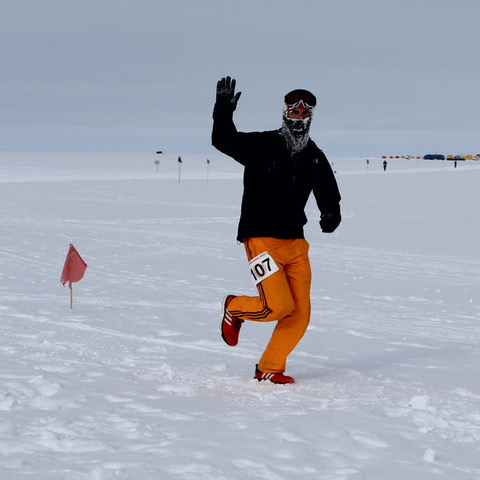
271,381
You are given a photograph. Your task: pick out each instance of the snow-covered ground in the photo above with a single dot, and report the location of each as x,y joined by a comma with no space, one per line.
137,383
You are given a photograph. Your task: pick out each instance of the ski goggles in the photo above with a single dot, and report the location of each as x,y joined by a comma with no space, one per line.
298,110
300,97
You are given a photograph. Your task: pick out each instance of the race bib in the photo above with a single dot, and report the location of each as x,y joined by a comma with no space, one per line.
262,266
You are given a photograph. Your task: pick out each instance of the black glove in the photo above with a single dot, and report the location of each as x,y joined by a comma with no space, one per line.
329,221
226,93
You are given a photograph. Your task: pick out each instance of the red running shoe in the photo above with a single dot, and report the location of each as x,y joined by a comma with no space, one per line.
278,378
230,326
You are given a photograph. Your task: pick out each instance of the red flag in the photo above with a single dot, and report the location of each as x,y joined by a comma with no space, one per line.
74,267
179,160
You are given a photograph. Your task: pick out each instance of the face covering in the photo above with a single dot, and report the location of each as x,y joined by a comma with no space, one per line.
296,132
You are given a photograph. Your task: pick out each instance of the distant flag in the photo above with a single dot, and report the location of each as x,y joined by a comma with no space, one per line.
74,267
179,168
73,270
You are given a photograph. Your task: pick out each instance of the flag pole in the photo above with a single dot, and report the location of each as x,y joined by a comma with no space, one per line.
71,298
179,171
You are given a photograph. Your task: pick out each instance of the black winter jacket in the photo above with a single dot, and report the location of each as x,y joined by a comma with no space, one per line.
276,186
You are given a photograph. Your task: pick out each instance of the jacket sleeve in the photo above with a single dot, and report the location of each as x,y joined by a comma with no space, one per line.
325,187
225,136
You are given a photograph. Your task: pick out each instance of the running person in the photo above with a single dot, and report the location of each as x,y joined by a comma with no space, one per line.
281,168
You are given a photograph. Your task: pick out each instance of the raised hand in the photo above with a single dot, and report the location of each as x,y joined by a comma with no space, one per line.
226,92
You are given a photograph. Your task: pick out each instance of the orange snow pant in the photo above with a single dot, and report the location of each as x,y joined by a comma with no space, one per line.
284,296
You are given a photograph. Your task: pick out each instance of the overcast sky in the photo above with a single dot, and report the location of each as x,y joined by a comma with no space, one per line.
139,75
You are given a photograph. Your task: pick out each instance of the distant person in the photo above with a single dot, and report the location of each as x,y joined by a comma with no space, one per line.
455,164
384,165
281,168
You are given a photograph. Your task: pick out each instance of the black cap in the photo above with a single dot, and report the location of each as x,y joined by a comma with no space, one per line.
300,94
